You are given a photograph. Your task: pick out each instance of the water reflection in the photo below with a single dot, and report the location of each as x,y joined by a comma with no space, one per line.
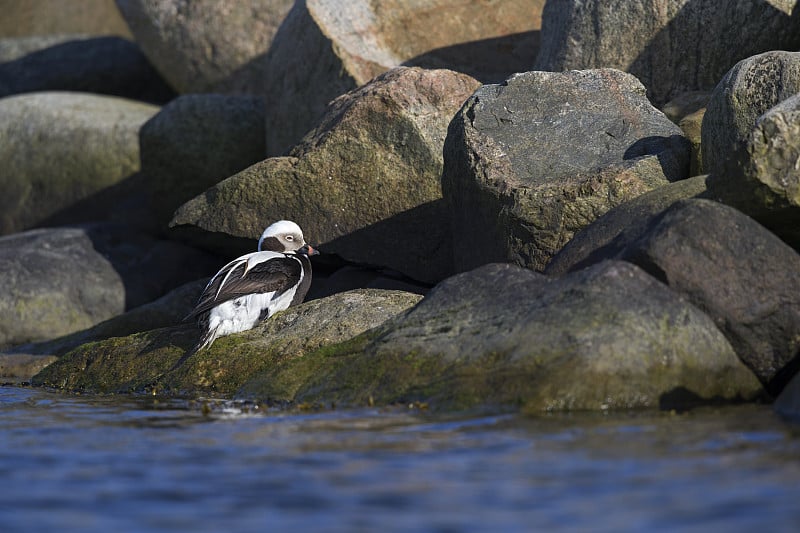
144,464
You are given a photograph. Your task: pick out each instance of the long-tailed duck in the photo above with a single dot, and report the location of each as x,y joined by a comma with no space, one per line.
255,286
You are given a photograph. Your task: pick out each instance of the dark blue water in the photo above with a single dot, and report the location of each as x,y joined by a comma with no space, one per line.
104,464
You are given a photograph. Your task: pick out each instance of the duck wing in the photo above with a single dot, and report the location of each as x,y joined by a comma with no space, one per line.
248,275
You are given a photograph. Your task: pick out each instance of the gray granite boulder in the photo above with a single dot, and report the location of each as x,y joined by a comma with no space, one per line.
725,263
196,141
532,161
202,47
749,141
607,236
672,46
101,65
156,360
763,178
364,184
737,272
751,88
608,337
61,280
57,148
326,48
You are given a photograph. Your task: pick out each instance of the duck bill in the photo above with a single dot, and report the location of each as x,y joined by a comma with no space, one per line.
309,250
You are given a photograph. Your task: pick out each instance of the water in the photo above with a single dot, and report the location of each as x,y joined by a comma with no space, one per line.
99,464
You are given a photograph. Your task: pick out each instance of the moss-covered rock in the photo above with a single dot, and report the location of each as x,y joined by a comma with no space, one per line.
166,311
607,337
157,360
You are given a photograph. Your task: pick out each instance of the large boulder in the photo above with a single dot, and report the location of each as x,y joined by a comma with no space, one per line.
672,46
750,141
61,280
196,141
102,65
364,184
58,148
157,360
163,312
23,361
530,162
747,91
326,47
739,273
723,262
607,236
46,17
213,46
608,337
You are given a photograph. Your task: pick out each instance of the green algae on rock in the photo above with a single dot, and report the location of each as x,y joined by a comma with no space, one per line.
607,337
156,361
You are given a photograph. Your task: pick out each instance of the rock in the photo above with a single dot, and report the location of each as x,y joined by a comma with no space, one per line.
156,359
207,47
12,48
46,17
196,141
350,277
788,403
326,48
763,180
530,162
607,337
752,87
59,148
61,280
685,104
102,65
364,184
750,143
738,273
166,311
23,366
607,236
722,261
672,47
774,152
691,126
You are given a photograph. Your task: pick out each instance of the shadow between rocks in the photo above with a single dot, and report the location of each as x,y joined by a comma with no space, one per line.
487,60
682,399
103,65
673,153
416,242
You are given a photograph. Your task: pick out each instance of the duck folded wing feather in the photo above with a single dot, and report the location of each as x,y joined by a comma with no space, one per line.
256,273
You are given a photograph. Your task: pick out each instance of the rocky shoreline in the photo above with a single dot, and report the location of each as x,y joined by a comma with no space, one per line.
599,227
